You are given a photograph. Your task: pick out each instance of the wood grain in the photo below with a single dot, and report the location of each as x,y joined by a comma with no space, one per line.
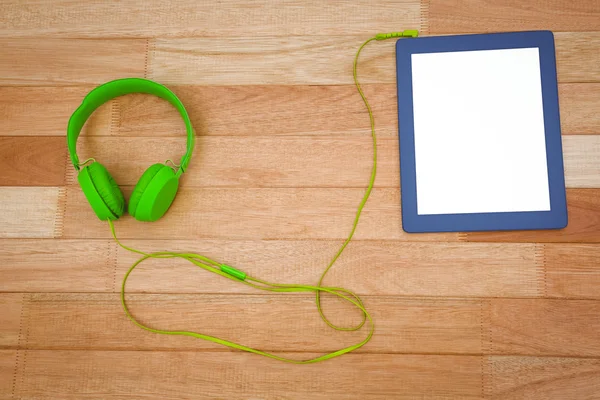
303,213
250,161
70,61
454,16
7,369
11,307
572,270
368,267
149,18
543,378
250,61
38,161
45,111
245,161
251,110
28,211
254,214
410,269
290,322
579,105
253,161
545,327
582,165
30,265
269,322
576,58
122,374
263,214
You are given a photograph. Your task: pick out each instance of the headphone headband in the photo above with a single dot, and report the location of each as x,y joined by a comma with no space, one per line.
120,87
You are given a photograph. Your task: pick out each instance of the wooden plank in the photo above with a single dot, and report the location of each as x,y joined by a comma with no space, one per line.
258,60
579,108
30,265
149,18
28,212
70,61
572,270
539,327
369,267
244,60
244,162
10,319
581,156
305,213
262,214
584,219
544,327
542,378
577,56
45,111
249,161
36,161
250,110
269,322
263,110
254,214
454,16
122,374
8,358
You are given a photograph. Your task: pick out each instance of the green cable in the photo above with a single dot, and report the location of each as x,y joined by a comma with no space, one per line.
212,266
239,276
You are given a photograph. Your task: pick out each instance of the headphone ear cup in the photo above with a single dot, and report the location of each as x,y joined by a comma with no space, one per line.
101,191
154,193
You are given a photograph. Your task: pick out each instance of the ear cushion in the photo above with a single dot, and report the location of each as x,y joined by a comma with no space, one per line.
107,188
141,186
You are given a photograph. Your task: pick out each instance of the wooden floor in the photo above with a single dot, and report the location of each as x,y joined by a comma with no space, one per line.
282,160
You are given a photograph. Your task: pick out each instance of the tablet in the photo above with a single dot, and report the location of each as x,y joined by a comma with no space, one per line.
479,133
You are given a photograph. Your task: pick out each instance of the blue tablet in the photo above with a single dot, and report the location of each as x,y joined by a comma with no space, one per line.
479,132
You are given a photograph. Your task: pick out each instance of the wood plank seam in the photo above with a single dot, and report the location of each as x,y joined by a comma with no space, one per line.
490,344
540,264
463,237
115,118
61,204
424,17
147,55
15,375
112,261
486,377
482,340
70,173
61,209
487,347
21,357
482,346
15,371
482,375
150,45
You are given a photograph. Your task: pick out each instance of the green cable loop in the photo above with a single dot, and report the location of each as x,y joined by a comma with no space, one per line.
212,266
239,276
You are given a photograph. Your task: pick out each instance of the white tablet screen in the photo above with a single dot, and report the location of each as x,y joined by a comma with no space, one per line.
479,132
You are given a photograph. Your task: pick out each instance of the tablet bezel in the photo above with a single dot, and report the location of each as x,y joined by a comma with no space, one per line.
412,222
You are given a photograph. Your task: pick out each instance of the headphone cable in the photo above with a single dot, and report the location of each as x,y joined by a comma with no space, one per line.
236,275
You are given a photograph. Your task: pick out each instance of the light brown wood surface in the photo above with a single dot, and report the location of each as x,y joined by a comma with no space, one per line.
282,159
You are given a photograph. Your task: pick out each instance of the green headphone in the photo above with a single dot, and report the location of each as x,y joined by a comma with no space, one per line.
156,189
